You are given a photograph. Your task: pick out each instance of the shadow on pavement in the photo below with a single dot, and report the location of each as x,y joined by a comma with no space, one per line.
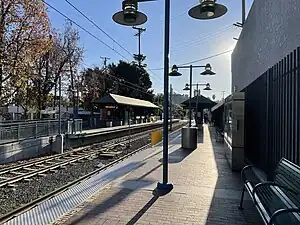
224,205
143,210
127,187
178,155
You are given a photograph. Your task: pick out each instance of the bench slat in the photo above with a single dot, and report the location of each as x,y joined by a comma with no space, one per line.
288,200
288,174
270,198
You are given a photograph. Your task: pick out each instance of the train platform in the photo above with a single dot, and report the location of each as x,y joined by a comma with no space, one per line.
206,191
105,130
110,129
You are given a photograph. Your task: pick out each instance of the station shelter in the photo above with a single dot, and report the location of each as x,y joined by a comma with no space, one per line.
117,109
199,110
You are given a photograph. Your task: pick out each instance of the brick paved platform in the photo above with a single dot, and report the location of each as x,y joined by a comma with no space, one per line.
205,192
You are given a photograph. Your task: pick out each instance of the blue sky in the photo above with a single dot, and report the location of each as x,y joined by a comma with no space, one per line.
190,39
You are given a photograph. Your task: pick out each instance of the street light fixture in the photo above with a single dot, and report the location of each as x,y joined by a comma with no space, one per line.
175,72
130,16
207,87
208,9
188,88
208,70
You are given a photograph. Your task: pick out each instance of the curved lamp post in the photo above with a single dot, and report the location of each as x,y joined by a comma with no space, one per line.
130,16
188,88
207,71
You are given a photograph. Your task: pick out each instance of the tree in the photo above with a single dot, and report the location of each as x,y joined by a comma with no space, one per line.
62,59
134,81
158,99
24,36
95,84
178,111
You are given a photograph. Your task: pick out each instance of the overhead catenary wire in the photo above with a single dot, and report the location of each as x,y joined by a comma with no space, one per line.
209,57
93,34
98,27
85,30
204,37
198,45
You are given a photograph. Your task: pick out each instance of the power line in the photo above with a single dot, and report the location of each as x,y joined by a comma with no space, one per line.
118,78
197,44
73,6
96,25
204,37
194,46
84,29
199,60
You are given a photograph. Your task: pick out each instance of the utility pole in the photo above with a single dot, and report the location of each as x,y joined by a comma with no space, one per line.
105,59
139,57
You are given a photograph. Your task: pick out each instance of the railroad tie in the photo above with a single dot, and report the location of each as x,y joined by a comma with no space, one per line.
41,175
17,173
29,169
38,165
12,186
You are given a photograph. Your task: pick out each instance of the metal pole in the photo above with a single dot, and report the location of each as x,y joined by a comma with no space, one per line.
197,102
166,92
190,103
59,106
129,123
171,93
243,12
140,33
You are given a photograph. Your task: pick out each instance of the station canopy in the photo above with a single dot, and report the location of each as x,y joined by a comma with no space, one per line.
203,102
113,100
219,106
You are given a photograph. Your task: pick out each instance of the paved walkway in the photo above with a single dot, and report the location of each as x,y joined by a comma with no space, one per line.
205,192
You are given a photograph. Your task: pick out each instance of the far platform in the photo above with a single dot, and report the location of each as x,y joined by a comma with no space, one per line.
115,128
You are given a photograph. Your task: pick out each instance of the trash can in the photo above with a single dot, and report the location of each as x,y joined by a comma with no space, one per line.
189,138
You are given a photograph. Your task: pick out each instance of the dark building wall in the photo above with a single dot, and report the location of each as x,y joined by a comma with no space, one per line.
272,114
270,33
266,66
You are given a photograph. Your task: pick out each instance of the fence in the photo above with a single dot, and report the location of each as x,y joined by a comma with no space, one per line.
10,132
272,114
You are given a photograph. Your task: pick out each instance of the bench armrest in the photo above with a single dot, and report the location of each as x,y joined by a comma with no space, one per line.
282,211
244,170
268,183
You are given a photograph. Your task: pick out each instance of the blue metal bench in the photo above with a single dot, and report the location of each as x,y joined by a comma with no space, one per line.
277,201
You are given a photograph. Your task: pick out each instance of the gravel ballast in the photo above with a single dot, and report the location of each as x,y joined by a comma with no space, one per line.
24,192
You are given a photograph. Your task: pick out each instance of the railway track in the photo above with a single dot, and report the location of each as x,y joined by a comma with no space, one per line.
10,176
25,207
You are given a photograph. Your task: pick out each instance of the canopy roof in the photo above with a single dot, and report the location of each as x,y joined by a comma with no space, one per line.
203,102
113,99
218,106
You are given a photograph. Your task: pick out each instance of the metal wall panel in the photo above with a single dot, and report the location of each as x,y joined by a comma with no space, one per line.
272,115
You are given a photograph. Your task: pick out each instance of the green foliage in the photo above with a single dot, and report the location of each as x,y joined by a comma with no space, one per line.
122,79
129,74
